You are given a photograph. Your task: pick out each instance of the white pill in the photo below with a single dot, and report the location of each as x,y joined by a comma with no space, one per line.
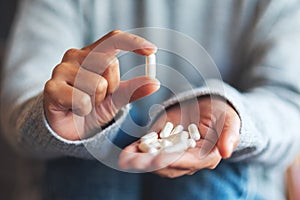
177,129
194,132
178,147
149,147
153,150
192,143
151,66
144,147
166,131
157,145
149,137
179,137
166,143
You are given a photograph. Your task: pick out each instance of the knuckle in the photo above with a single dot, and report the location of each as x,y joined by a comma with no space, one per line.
107,61
83,101
50,86
114,32
111,61
52,90
101,86
82,105
58,70
111,67
71,53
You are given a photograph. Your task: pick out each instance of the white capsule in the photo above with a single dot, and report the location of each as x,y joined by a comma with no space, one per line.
149,137
191,143
153,150
151,66
194,132
165,143
149,147
176,148
157,145
166,131
179,137
144,147
177,129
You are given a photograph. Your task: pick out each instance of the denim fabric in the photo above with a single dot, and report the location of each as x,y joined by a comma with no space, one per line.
227,181
77,179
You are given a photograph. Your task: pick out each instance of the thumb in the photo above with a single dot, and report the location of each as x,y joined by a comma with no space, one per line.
134,89
229,137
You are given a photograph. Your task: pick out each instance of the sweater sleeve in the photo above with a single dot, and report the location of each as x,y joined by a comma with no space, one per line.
270,85
267,93
37,44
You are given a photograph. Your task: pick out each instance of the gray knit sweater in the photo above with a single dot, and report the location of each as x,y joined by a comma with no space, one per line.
254,44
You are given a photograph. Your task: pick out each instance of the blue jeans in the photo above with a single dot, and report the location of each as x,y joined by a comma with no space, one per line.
78,179
227,181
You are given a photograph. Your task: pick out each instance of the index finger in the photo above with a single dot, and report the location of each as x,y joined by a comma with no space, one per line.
118,40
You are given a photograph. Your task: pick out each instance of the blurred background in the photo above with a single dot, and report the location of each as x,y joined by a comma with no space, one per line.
7,10
8,161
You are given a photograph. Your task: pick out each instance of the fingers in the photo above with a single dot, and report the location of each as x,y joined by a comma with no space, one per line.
187,163
62,96
131,159
127,92
134,89
219,125
98,63
105,65
127,155
89,82
118,40
97,73
97,87
172,172
194,161
112,75
229,137
168,165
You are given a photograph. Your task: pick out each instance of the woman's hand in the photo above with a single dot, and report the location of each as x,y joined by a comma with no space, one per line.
85,92
219,127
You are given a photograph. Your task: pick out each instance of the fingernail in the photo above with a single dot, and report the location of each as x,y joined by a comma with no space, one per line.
149,46
154,81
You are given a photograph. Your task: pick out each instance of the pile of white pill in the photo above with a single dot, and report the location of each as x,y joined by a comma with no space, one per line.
170,139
